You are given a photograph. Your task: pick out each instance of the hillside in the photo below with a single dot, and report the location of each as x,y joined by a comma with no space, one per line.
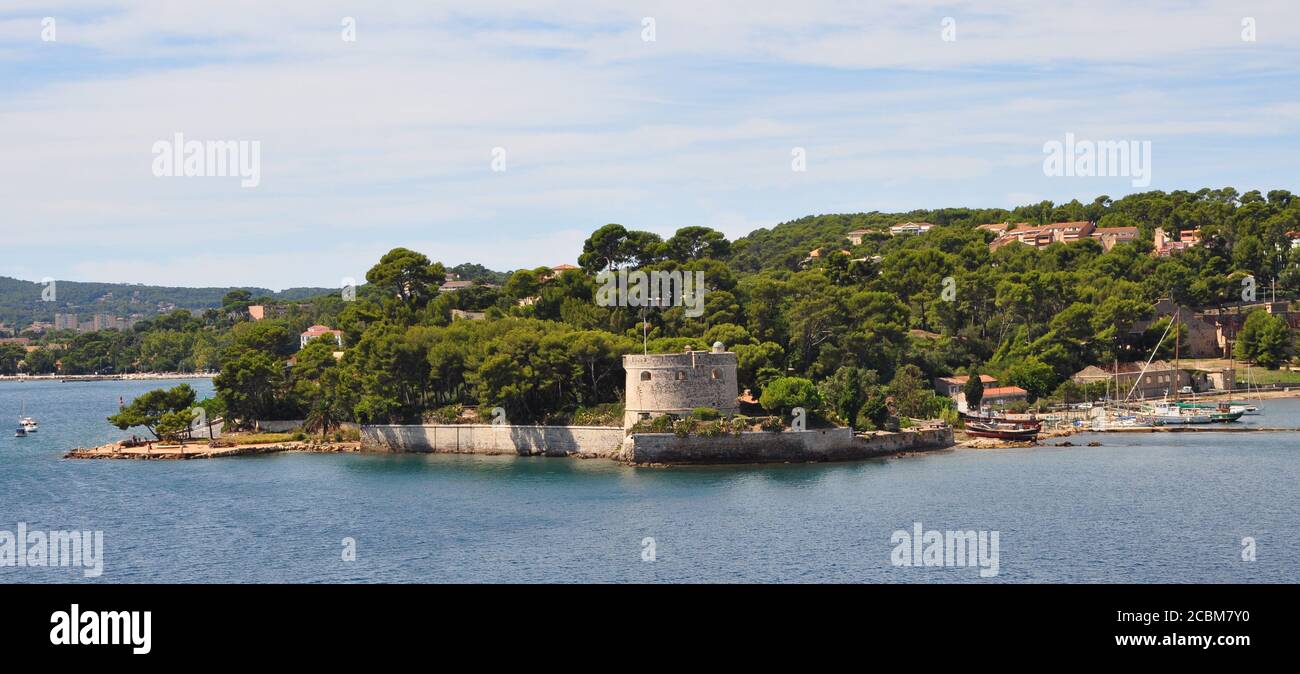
21,301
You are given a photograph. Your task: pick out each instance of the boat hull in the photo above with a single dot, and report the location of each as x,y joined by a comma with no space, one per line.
998,432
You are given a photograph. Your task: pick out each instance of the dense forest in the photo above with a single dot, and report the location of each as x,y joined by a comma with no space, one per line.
842,331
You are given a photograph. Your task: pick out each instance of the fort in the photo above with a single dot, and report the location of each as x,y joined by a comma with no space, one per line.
657,385
676,383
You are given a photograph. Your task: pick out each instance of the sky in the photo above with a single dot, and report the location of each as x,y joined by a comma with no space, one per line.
390,139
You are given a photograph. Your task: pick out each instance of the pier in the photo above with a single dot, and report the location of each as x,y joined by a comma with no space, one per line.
1200,428
176,452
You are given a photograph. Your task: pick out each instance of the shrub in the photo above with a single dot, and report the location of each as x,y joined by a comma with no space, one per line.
786,393
772,424
713,429
448,414
950,416
706,413
659,424
683,427
874,414
607,414
740,424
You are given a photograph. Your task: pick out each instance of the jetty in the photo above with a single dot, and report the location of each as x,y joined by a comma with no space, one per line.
1207,428
174,451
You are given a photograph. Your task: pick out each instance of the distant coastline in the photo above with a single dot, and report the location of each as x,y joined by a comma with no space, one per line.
134,376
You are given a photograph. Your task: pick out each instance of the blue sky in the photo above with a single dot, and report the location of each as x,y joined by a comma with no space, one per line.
388,140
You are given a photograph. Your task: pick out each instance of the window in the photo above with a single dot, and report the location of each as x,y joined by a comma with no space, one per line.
681,375
645,376
716,374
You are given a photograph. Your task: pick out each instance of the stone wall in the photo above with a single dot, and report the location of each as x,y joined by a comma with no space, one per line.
837,444
279,425
287,425
583,441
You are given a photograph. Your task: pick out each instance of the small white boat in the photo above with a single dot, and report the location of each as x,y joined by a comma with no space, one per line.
28,423
20,432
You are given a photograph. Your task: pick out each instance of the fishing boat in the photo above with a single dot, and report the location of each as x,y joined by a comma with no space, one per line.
1219,413
1036,424
1166,414
999,431
1223,407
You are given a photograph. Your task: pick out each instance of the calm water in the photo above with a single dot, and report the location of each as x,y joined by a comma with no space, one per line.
1142,508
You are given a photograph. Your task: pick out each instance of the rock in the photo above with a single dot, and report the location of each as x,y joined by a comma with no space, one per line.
1094,443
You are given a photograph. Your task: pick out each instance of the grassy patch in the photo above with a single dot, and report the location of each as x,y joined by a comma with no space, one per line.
1259,375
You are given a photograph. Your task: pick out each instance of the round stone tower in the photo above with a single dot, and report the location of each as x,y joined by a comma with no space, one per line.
676,383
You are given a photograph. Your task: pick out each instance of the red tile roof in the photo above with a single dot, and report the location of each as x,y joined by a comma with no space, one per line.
963,378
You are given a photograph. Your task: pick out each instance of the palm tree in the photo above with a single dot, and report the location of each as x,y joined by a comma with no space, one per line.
324,416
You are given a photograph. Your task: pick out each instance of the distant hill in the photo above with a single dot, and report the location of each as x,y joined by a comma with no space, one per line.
470,271
21,301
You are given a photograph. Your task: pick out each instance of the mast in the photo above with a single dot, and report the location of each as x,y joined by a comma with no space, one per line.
1232,369
1177,372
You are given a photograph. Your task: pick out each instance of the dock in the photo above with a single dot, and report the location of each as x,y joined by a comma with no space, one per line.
1199,428
176,452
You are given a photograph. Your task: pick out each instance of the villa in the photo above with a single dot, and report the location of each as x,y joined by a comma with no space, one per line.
908,228
319,331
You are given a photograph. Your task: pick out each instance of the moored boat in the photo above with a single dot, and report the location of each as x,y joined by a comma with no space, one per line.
28,423
1036,424
1174,415
1239,409
1001,431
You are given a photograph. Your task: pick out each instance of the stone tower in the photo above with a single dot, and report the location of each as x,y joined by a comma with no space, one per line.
676,383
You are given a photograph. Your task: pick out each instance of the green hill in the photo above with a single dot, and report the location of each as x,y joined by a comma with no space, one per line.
21,302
